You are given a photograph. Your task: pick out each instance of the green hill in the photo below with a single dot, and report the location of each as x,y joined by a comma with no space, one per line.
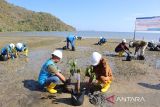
15,18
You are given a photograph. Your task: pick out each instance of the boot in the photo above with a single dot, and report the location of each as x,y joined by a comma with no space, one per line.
51,89
16,55
73,48
64,47
120,54
106,87
26,52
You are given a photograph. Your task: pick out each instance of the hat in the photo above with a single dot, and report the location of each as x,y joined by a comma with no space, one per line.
95,58
57,53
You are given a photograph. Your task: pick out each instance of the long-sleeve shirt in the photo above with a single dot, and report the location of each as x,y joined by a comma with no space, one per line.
121,47
71,38
139,44
103,69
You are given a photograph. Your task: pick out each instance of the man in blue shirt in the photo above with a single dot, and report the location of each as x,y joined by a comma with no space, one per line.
102,40
71,39
50,74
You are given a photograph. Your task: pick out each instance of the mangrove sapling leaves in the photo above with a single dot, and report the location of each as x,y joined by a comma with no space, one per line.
73,67
89,72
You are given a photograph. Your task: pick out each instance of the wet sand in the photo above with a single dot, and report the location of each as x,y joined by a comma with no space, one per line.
18,81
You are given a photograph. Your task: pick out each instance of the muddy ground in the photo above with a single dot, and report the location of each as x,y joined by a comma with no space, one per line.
132,79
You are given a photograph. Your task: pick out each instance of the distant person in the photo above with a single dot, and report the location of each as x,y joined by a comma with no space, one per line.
153,46
8,52
79,38
140,47
50,75
71,40
102,40
21,47
102,71
121,48
158,47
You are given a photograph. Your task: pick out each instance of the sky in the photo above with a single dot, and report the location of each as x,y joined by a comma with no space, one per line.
95,15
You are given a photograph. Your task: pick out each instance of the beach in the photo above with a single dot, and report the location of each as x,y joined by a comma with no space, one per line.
131,78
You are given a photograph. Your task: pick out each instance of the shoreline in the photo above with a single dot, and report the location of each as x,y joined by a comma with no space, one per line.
90,34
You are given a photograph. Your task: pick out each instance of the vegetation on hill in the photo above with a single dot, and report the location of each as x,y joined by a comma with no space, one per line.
15,18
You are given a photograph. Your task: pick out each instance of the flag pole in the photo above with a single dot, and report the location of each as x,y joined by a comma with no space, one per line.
134,35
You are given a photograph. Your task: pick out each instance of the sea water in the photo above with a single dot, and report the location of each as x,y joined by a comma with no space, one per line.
148,36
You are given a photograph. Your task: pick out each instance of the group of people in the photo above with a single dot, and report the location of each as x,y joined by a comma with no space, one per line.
139,45
154,46
13,51
50,74
71,40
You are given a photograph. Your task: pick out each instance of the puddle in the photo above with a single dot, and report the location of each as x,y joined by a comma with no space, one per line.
36,59
158,64
113,66
84,48
108,53
83,62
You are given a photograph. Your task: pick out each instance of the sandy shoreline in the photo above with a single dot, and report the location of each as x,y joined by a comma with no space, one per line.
130,78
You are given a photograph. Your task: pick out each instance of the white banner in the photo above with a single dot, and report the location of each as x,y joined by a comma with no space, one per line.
148,23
